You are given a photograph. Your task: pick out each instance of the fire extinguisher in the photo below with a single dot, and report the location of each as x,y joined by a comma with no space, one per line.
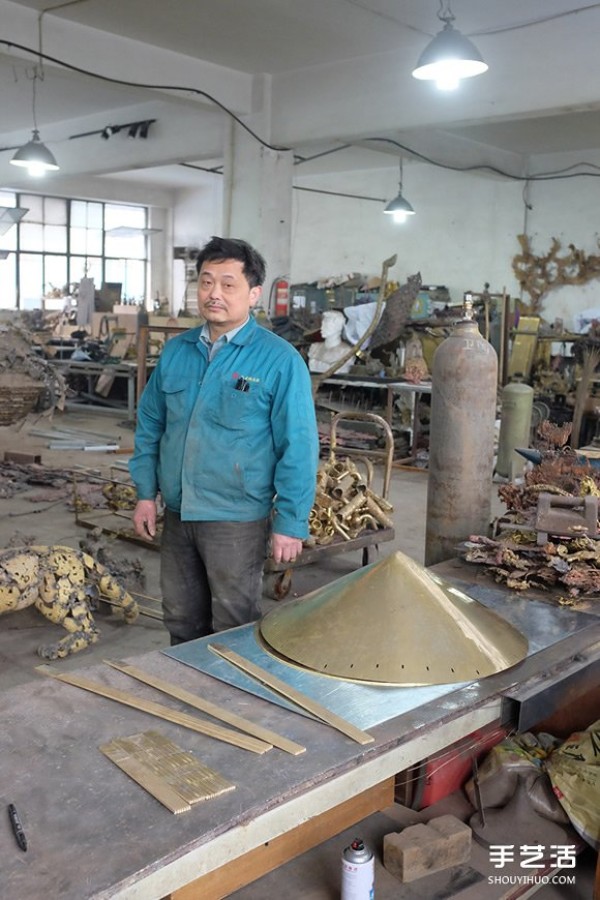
282,297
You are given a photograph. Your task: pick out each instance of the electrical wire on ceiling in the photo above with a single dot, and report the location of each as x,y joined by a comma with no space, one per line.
218,170
144,86
541,21
541,176
518,25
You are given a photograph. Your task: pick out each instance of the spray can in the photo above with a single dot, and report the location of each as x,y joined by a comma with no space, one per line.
358,872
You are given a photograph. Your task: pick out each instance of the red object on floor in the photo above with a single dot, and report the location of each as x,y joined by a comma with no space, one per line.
443,774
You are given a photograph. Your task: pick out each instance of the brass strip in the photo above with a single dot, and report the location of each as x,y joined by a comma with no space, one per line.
150,782
173,775
280,687
245,742
212,709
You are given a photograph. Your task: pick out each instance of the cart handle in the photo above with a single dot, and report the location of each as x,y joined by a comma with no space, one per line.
389,440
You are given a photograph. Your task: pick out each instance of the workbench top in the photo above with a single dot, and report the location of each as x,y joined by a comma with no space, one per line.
93,833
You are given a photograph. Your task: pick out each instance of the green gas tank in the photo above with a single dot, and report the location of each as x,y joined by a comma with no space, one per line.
515,428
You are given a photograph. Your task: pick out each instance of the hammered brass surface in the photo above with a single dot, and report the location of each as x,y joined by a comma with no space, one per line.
393,623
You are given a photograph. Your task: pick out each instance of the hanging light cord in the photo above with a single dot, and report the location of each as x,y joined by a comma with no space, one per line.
445,14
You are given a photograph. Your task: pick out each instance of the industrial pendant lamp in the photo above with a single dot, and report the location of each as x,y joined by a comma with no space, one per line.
450,56
399,208
34,155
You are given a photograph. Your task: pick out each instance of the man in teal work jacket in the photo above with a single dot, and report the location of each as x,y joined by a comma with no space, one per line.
226,433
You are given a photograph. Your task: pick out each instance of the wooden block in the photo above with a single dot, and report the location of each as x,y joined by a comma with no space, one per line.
23,458
423,849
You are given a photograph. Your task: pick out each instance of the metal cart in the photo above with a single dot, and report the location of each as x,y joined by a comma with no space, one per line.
278,576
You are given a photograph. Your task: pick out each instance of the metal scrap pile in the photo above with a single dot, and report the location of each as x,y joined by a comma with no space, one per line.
514,556
345,504
519,562
20,365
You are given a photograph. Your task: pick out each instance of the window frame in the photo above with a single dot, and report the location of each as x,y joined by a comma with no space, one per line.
76,259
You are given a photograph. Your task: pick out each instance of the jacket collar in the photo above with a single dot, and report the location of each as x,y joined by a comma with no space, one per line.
243,336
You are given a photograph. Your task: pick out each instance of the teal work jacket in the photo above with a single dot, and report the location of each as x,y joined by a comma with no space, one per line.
230,440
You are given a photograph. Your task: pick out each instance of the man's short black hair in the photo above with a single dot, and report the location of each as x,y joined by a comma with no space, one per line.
219,249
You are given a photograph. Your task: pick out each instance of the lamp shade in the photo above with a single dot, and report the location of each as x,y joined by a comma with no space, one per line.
449,57
399,208
35,156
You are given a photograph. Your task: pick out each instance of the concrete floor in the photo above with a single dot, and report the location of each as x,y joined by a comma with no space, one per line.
315,875
51,522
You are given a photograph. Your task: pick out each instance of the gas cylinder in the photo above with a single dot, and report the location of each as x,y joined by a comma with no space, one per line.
461,440
515,428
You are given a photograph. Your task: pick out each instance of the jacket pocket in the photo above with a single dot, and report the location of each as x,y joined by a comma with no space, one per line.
235,409
177,392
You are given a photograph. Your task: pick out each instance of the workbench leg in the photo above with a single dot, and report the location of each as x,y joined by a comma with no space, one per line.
389,406
131,396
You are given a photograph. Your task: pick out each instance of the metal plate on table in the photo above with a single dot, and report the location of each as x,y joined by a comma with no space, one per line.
364,705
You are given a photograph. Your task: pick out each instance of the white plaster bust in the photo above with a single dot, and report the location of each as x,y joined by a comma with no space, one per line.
322,355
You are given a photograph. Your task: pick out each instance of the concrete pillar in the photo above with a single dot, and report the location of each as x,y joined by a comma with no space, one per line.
257,196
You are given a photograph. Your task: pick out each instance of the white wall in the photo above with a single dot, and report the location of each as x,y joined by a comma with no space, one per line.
197,215
462,235
464,232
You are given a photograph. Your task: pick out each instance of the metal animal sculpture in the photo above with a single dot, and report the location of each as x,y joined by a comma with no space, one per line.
396,312
63,584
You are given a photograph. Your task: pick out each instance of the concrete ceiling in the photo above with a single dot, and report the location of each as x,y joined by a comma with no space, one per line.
333,72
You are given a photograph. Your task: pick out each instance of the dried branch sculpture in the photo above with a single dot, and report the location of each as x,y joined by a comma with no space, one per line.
539,274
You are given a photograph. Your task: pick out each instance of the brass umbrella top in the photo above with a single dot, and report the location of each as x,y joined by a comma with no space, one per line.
396,623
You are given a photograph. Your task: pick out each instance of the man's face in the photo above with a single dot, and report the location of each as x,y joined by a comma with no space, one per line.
224,295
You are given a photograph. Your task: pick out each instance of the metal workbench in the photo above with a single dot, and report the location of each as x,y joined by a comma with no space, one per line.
91,371
94,834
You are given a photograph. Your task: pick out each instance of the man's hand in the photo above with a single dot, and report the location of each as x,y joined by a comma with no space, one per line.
285,549
144,519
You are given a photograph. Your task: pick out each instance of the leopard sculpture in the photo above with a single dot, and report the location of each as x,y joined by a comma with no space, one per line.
63,584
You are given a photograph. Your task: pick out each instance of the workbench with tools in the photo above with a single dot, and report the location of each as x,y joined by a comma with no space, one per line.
93,832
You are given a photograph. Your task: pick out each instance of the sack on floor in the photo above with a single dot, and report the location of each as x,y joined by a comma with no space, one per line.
514,762
574,770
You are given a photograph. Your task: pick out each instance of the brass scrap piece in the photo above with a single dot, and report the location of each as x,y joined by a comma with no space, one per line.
345,504
119,495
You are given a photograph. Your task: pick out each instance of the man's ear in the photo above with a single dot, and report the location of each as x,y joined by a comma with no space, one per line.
255,294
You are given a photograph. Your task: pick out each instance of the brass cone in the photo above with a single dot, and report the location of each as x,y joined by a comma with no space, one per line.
393,623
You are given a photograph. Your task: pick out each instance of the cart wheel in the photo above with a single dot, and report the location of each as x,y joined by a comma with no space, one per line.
277,585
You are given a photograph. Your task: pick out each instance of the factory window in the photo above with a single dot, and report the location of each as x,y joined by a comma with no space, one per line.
8,246
58,241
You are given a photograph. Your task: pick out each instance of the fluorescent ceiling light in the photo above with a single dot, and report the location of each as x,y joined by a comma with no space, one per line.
130,231
9,216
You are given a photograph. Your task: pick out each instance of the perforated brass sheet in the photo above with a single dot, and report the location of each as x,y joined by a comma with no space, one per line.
393,623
